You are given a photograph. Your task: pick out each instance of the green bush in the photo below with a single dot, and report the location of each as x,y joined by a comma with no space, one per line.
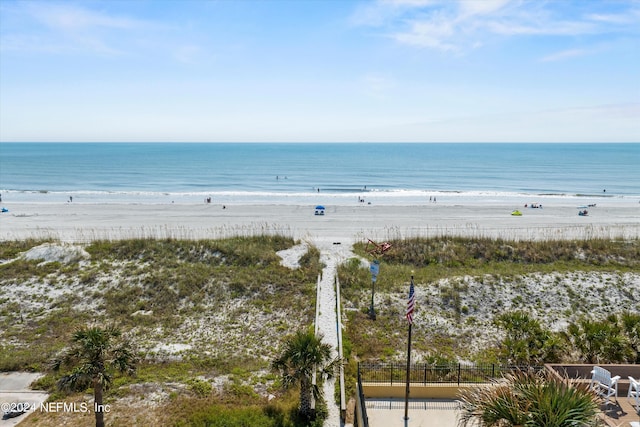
202,388
529,399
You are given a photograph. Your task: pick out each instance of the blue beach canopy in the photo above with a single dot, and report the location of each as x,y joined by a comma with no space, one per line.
319,207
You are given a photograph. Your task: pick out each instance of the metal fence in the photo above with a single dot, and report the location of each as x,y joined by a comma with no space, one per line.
424,373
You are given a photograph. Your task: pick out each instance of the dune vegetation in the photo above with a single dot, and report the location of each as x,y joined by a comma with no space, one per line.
207,318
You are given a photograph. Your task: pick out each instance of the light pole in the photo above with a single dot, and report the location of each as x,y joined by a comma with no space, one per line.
374,268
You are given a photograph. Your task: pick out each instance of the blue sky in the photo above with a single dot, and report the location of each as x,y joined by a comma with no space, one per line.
313,70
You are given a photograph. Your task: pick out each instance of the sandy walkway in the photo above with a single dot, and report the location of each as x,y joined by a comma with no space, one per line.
331,255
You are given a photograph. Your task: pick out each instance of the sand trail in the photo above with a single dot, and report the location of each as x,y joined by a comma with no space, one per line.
331,255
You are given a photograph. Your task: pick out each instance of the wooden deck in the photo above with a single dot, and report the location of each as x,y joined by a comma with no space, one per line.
620,413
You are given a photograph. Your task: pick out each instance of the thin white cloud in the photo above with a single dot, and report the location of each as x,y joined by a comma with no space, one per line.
74,28
30,43
476,7
383,12
554,28
565,54
73,18
460,25
44,43
374,14
435,33
412,3
67,28
621,19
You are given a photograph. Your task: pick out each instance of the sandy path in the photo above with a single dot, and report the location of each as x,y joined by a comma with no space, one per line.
331,255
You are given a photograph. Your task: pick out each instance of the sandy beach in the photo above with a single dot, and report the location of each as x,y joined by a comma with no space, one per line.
558,219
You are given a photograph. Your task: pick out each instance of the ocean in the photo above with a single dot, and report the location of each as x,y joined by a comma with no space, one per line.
286,173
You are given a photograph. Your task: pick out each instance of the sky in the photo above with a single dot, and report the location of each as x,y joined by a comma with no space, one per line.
320,71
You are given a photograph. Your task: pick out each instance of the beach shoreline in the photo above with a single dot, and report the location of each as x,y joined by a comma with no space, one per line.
558,219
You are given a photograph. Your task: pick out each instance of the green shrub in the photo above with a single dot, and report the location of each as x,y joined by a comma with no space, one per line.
202,388
529,399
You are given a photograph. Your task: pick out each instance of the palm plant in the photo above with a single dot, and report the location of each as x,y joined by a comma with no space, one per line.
303,356
526,341
631,327
497,405
600,341
529,399
94,355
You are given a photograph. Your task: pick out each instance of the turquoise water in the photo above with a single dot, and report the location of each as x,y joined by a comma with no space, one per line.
282,173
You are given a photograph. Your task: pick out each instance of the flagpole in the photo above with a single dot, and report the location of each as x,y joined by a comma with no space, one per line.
406,394
410,308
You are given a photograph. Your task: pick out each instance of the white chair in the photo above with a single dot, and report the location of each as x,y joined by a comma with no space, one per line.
603,384
634,391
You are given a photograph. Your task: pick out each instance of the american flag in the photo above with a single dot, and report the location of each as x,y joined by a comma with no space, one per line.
411,303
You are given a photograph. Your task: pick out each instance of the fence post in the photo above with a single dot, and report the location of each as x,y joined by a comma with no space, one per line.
459,368
425,374
391,364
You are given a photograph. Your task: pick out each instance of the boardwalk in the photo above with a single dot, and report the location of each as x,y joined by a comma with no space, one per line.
331,256
620,413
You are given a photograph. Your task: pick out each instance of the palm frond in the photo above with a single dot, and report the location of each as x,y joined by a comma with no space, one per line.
531,399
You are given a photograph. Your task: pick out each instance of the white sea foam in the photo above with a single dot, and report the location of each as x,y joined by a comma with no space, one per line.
386,197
